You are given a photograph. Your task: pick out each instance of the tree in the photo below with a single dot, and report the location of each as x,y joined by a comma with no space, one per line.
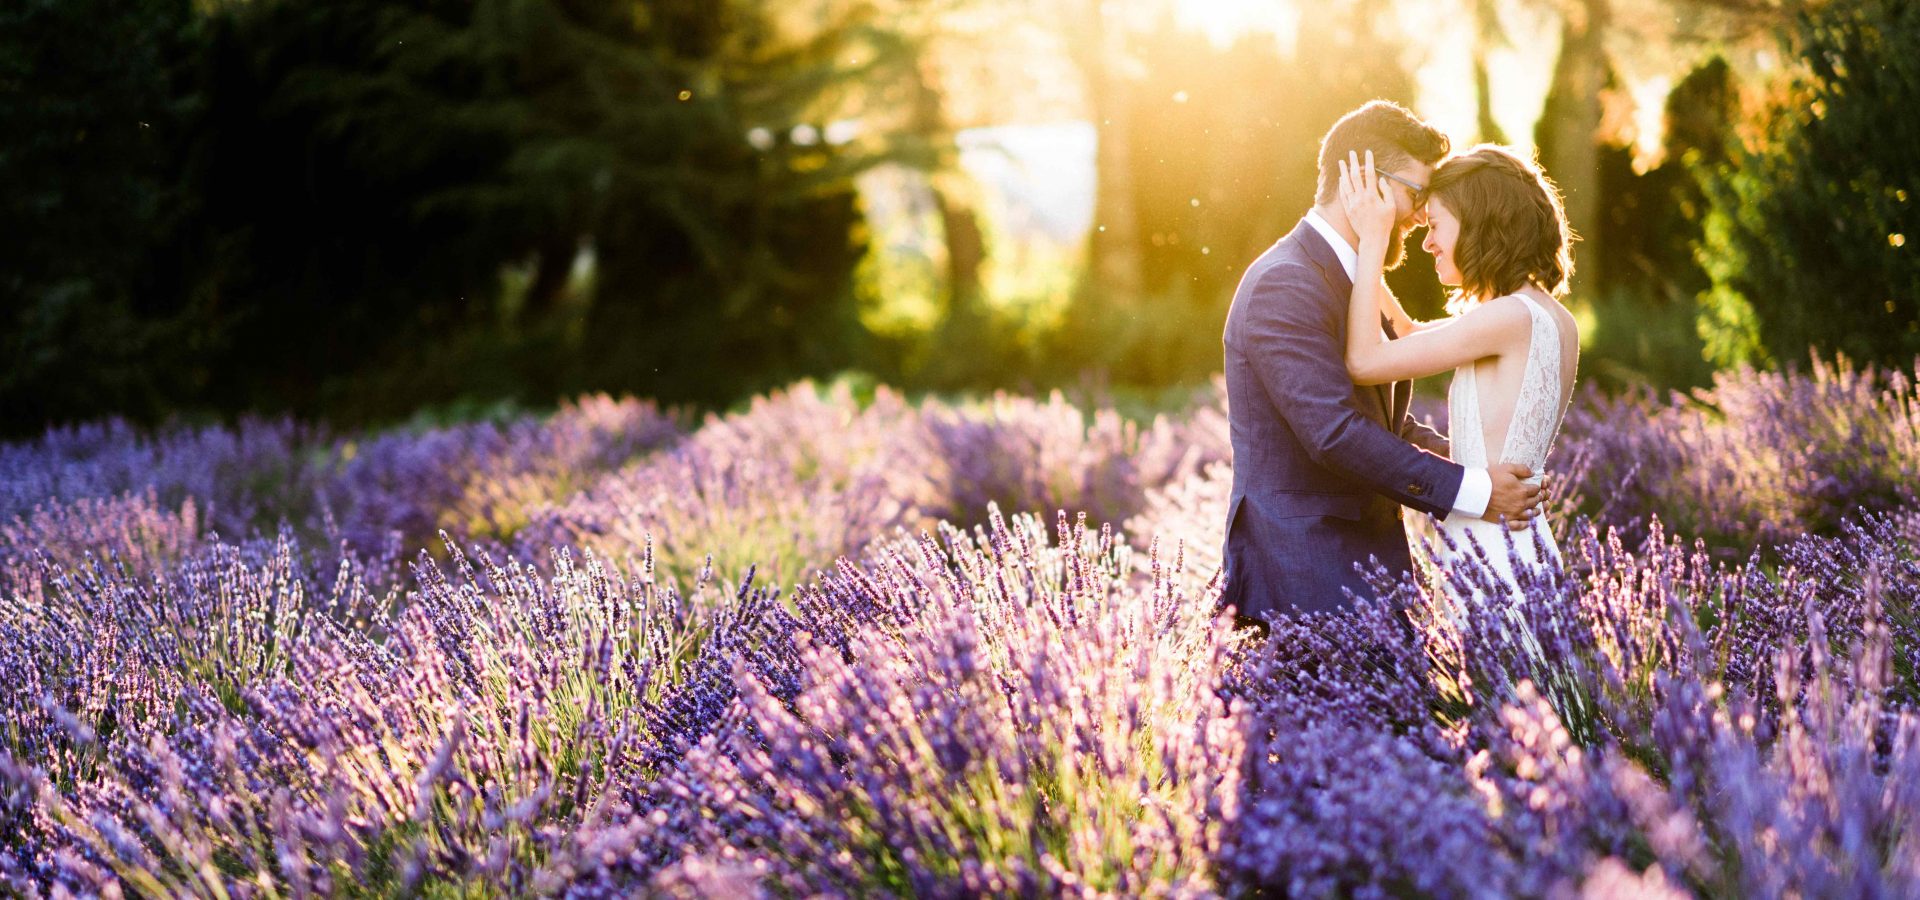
751,216
950,41
1807,240
1224,144
1098,41
95,98
373,167
1574,131
1644,324
1569,131
1487,34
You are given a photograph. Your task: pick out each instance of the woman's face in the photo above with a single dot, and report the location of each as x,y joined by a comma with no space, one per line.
1443,232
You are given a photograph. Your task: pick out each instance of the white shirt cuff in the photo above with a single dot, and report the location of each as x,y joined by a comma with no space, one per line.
1476,491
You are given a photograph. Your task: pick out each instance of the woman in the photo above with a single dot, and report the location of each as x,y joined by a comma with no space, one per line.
1499,236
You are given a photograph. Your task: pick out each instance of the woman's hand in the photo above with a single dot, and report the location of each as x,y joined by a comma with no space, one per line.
1370,208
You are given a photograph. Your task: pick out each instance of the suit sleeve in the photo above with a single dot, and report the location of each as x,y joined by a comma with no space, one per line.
1412,430
1418,434
1295,340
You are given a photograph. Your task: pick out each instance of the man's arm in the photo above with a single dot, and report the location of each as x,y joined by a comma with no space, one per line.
1296,345
1421,435
1412,430
1476,486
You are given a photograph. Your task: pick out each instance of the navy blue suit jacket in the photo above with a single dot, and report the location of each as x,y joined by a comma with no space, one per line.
1321,466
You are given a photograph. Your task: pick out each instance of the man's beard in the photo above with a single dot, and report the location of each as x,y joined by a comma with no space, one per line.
1397,247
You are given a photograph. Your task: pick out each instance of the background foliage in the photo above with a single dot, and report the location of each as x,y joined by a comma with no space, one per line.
1809,224
356,210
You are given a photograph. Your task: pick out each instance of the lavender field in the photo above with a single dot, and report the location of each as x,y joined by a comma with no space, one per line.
843,648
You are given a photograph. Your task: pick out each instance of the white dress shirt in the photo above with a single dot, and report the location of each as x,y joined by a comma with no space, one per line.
1476,487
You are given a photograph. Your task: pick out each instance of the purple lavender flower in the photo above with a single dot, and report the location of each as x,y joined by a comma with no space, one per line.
799,650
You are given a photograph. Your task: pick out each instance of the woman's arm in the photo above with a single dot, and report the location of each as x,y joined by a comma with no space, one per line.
1437,347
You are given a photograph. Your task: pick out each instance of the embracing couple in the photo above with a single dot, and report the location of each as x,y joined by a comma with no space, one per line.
1320,362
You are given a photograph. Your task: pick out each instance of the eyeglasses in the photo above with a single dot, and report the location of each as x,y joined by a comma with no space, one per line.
1419,191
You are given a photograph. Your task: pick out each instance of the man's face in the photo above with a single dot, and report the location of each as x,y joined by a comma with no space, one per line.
1409,214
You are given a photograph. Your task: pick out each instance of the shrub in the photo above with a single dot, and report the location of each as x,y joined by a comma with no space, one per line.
1805,241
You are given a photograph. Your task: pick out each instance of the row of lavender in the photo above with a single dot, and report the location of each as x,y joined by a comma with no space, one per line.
791,484
583,705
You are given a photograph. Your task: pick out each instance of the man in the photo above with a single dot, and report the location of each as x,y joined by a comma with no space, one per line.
1321,466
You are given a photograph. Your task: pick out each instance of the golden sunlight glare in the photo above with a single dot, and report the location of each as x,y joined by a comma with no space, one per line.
1224,21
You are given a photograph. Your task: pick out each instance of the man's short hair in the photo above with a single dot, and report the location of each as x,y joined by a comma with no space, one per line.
1396,136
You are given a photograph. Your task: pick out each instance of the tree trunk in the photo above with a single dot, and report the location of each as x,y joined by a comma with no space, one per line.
1487,35
550,278
1569,129
959,221
1114,249
966,252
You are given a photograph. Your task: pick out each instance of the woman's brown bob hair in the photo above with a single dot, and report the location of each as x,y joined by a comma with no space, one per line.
1513,228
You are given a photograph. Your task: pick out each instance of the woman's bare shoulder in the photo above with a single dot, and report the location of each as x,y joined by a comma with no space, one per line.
1503,314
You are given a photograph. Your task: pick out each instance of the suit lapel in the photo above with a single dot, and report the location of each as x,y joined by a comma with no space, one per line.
1398,392
1322,255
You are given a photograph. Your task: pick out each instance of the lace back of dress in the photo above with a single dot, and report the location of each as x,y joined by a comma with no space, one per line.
1537,411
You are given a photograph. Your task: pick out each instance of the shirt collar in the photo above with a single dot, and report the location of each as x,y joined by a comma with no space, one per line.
1349,257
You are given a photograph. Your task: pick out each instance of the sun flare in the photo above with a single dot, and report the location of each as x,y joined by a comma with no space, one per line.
1226,20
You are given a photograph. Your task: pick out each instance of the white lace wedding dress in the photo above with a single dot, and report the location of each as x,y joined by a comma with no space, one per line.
1537,411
